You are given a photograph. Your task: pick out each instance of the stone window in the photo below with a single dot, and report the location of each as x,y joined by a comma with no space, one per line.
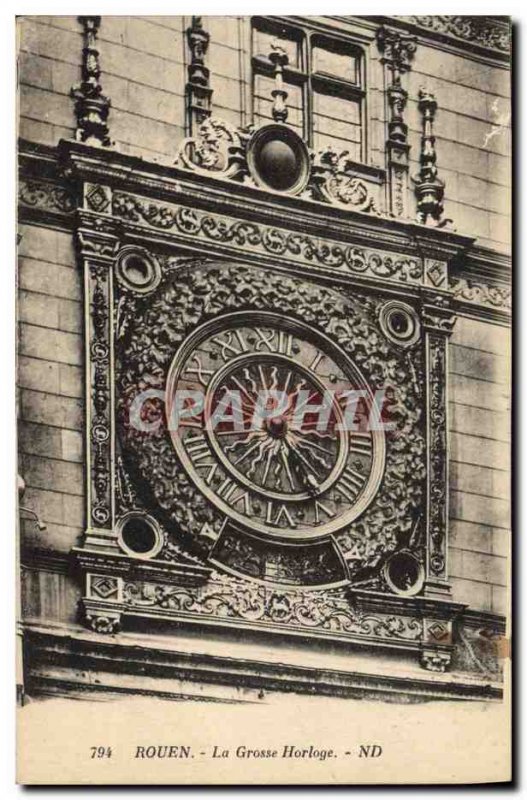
324,80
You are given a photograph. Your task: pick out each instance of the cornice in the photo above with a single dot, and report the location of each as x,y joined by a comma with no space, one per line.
483,262
486,620
126,659
481,285
182,571
50,192
45,560
486,39
173,184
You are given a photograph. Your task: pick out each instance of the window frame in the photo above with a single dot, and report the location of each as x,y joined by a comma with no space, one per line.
312,81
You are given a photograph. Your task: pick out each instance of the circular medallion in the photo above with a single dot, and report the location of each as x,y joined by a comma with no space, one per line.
272,423
137,269
278,159
404,573
139,535
399,323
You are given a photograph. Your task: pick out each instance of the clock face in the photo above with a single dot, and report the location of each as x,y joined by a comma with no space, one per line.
271,420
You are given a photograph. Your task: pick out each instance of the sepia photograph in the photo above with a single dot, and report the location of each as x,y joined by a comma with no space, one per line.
263,372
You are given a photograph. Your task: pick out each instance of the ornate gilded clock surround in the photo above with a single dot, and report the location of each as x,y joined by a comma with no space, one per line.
129,204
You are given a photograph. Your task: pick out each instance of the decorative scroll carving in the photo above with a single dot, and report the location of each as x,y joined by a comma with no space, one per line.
437,473
91,106
273,241
335,180
46,195
482,294
332,613
429,189
219,150
199,92
100,397
438,315
491,33
398,50
216,148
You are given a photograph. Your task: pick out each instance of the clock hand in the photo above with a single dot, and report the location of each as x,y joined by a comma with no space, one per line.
270,452
309,477
318,459
283,455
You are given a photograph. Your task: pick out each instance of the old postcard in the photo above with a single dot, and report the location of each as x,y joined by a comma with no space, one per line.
264,420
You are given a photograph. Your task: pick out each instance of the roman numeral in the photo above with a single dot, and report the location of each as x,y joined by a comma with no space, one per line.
350,484
212,468
320,507
353,554
275,341
197,448
361,443
228,349
199,370
316,361
275,516
227,491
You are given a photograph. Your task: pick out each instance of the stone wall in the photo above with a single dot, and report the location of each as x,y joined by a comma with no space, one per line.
480,463
472,129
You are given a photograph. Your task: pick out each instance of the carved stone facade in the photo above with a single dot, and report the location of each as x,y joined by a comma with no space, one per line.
208,269
179,294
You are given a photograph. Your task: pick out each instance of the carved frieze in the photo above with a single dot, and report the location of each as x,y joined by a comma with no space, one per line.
476,292
331,613
45,195
312,564
250,236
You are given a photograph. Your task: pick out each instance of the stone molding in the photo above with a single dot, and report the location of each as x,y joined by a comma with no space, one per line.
49,649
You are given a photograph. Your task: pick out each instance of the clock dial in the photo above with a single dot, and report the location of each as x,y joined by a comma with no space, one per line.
260,416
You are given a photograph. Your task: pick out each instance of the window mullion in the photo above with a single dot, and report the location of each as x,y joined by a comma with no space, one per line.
308,92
